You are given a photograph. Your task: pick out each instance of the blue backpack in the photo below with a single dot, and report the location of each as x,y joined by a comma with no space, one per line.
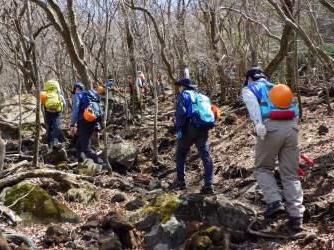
91,100
201,115
261,89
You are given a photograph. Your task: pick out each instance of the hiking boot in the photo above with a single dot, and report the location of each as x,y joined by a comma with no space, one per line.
274,209
207,189
295,227
178,185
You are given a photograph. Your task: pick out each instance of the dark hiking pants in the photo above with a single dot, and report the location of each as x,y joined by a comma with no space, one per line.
200,139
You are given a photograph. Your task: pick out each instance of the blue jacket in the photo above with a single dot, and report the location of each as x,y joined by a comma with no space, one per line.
76,99
183,110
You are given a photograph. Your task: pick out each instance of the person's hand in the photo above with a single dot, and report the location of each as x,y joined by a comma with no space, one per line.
73,131
261,130
179,135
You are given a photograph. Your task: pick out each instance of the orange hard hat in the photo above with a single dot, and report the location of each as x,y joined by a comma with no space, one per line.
43,96
215,111
89,115
281,96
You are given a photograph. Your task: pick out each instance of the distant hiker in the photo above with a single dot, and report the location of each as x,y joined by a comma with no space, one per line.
53,101
275,116
193,120
86,117
142,83
160,85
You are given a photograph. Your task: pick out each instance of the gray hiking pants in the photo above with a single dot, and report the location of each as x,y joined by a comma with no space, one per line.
281,141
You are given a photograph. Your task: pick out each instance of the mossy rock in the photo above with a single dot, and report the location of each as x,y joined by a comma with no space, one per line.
35,205
165,205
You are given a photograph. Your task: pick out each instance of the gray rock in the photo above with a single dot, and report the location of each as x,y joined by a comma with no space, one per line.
119,197
82,195
55,234
90,168
148,222
134,204
122,155
171,234
111,243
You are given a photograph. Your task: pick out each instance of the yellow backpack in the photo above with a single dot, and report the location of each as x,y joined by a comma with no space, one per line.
53,101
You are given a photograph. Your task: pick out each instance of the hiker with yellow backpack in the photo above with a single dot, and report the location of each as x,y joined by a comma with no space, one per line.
274,112
54,103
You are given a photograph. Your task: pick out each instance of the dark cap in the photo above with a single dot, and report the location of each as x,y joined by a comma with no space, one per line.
255,73
185,82
78,85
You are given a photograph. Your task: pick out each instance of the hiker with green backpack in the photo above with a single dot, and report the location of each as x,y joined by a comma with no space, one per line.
54,103
193,120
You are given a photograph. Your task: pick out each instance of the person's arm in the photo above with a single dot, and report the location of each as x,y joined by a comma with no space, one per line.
75,109
182,113
254,111
252,105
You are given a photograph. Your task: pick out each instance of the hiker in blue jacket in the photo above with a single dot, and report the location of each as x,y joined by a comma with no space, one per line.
187,134
80,127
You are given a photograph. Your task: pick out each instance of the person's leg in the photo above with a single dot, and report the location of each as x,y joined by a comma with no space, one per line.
202,145
266,152
48,127
80,137
87,149
57,132
183,146
292,189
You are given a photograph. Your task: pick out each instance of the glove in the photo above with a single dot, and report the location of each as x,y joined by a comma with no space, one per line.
179,135
261,130
73,131
97,127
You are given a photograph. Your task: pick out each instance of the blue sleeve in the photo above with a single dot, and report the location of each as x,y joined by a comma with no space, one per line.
75,109
183,111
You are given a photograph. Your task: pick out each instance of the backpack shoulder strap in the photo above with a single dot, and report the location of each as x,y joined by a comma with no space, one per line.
192,95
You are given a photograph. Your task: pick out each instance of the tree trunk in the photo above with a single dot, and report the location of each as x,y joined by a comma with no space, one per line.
37,84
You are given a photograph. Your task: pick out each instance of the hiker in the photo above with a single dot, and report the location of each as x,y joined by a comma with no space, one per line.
86,117
192,128
275,116
160,85
54,103
142,83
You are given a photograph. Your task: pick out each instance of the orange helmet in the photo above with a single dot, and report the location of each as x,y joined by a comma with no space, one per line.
89,115
43,96
281,96
215,111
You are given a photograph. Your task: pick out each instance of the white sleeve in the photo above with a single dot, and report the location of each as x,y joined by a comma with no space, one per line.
252,105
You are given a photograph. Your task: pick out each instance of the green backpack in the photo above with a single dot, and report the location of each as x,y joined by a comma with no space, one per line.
53,101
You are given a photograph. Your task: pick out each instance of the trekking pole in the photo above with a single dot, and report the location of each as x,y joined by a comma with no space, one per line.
105,133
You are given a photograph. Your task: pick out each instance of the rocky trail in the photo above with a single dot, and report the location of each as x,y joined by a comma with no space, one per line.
71,206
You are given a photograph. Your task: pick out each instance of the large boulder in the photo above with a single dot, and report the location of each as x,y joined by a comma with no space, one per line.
35,205
122,155
9,112
169,218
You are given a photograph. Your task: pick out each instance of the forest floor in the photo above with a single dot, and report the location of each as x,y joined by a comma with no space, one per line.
232,147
